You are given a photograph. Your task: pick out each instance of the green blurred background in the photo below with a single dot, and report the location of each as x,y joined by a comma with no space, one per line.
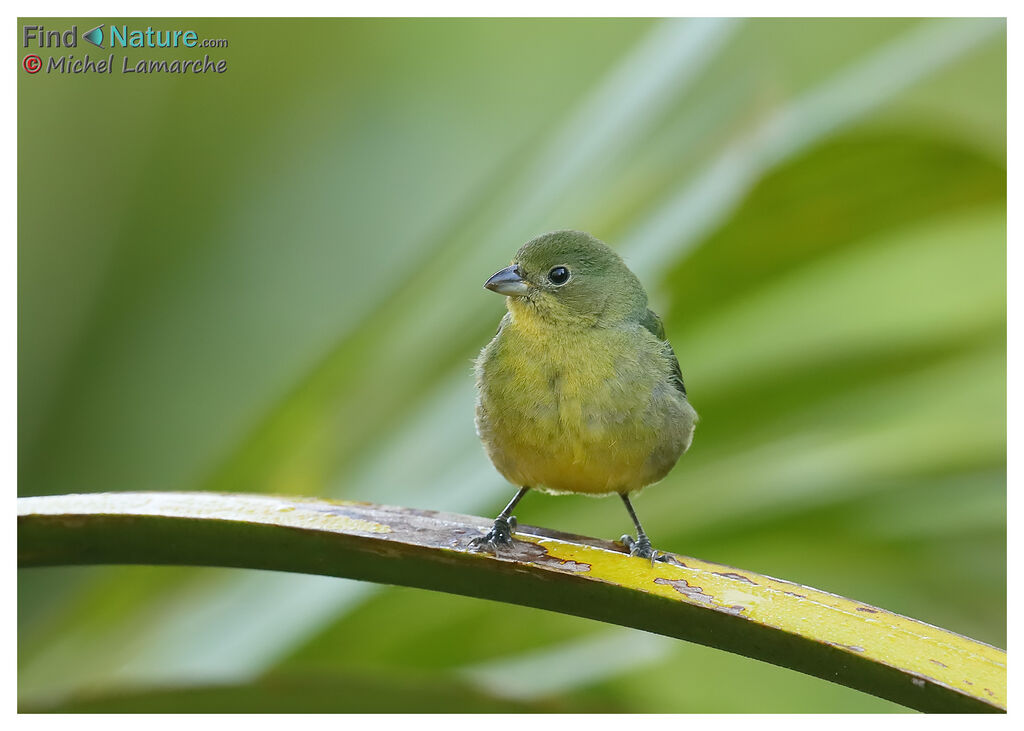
269,280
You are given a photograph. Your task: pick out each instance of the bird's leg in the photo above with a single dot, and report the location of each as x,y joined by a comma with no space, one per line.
503,528
641,545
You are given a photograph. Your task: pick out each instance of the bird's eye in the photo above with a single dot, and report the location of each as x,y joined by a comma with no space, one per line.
559,275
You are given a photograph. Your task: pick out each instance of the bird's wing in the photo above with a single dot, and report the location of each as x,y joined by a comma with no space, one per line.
504,321
654,325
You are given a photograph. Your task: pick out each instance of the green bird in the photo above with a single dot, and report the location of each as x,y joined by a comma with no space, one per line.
579,391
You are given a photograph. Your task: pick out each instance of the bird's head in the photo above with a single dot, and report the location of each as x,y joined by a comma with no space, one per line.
570,278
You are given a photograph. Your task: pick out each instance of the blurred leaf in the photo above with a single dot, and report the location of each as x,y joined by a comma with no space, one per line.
336,693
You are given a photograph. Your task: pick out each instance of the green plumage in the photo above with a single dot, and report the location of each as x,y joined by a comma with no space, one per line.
579,391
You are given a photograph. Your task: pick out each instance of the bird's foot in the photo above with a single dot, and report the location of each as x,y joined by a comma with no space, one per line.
500,535
641,547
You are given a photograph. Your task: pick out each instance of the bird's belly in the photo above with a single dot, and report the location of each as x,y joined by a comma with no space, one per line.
580,429
582,463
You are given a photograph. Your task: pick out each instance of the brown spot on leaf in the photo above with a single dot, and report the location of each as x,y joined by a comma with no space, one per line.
941,664
867,609
684,588
577,567
990,692
793,593
528,552
736,577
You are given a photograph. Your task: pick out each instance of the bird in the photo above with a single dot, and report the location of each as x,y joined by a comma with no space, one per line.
579,391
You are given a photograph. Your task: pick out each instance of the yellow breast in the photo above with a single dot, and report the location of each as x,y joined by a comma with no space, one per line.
585,411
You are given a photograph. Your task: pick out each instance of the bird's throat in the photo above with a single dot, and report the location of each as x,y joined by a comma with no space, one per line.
545,316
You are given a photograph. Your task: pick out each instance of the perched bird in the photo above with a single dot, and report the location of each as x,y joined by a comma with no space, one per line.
578,392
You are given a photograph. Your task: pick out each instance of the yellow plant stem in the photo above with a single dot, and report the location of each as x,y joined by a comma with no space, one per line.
838,639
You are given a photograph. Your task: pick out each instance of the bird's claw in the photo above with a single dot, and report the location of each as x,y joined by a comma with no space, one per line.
500,535
641,547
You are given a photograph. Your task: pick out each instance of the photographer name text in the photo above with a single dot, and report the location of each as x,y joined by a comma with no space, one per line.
88,65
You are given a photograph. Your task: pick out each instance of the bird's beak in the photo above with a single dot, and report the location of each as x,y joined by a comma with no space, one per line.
507,282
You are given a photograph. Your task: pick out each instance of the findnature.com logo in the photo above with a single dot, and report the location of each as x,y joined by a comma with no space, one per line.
112,37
